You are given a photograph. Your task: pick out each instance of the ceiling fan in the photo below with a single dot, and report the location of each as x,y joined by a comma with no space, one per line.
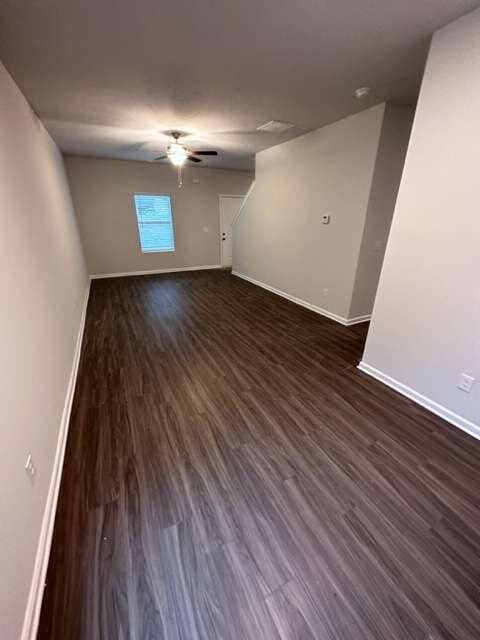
179,153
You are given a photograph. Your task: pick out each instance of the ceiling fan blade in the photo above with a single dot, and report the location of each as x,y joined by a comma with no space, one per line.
193,159
160,158
206,153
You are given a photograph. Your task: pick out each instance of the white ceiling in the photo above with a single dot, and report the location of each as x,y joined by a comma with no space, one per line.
106,76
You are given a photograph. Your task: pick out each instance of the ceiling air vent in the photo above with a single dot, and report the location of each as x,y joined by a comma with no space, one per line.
274,126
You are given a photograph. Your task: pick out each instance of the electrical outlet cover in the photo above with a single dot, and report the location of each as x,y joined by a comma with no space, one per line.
466,383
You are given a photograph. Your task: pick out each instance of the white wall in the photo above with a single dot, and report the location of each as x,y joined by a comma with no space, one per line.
43,284
346,169
392,147
280,240
103,191
426,324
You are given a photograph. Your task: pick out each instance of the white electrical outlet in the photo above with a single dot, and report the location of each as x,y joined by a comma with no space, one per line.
324,293
30,467
466,383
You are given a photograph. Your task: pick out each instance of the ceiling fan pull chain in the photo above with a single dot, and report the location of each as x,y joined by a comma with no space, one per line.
180,181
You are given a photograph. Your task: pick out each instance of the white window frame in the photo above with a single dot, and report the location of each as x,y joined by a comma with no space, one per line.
172,210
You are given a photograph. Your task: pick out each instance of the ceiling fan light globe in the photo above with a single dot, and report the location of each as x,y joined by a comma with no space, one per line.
177,154
178,161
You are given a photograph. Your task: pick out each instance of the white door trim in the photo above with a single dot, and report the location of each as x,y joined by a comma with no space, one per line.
242,207
220,196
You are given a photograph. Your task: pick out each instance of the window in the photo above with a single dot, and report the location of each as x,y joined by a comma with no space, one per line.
155,222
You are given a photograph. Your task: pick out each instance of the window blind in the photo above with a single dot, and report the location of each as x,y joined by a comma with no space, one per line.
155,222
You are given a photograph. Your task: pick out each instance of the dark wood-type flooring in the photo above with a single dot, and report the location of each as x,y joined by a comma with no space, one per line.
231,475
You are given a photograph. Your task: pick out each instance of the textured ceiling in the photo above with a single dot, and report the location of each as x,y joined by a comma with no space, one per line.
106,76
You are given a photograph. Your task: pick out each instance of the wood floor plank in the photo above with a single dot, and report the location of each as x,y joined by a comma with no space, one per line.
231,475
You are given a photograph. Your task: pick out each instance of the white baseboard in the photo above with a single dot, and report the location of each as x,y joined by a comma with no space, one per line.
97,276
34,603
358,320
303,303
438,409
